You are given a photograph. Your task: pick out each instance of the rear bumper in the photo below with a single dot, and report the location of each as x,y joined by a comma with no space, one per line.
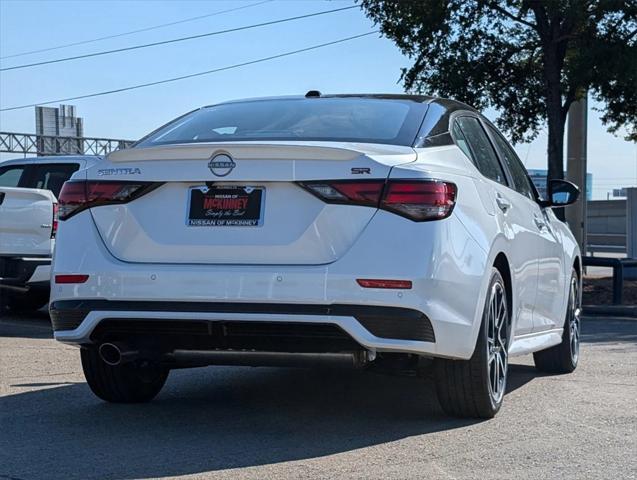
22,273
445,265
251,326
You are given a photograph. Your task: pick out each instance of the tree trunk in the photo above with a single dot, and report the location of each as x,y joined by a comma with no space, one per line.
555,152
554,51
556,121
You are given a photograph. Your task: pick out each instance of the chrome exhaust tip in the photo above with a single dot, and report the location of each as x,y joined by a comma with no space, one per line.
114,354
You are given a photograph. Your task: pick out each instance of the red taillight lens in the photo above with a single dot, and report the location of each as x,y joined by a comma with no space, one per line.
78,196
418,200
54,224
75,278
346,192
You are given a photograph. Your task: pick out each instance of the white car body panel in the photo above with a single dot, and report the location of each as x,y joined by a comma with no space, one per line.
26,217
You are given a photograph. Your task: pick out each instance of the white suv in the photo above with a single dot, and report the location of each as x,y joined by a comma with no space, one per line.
28,223
364,230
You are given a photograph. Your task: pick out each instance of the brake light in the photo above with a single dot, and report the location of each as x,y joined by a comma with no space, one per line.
78,196
357,193
54,224
418,200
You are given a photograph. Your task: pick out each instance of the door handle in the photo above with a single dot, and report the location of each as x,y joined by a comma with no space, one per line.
503,203
1,197
539,223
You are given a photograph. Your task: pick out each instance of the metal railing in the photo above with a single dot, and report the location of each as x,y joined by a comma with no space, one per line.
29,143
617,264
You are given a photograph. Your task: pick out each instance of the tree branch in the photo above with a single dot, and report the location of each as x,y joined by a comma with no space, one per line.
508,14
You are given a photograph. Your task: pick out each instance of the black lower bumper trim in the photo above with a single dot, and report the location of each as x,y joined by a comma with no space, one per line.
16,271
385,322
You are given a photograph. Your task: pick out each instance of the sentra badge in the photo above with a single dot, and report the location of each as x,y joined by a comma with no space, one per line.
118,171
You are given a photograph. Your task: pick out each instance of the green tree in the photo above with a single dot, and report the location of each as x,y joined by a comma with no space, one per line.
529,59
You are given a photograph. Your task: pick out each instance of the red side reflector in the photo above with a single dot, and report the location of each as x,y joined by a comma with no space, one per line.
378,283
71,278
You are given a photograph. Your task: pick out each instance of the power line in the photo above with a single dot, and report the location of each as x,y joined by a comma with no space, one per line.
146,29
183,77
180,39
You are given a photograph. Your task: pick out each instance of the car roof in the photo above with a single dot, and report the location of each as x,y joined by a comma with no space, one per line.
60,159
447,103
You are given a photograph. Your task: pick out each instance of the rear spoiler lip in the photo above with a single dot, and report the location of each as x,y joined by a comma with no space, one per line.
274,150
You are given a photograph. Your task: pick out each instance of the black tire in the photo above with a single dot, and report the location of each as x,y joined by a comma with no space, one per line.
30,301
127,383
464,387
563,358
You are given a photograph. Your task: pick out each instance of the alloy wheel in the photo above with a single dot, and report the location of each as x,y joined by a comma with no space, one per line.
497,342
573,318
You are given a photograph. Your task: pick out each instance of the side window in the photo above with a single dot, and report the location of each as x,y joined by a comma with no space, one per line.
51,176
520,177
461,141
10,175
483,154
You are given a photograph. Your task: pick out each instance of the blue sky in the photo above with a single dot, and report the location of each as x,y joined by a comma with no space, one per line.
370,64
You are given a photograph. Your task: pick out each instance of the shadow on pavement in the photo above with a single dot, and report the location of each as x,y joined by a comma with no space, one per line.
220,418
22,325
216,418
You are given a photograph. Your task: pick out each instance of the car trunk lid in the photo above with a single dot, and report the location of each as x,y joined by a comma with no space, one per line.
239,203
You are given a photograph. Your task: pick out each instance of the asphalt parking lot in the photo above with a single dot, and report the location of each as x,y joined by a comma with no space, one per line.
287,423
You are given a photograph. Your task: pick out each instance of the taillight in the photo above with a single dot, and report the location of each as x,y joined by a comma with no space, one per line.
418,200
54,224
78,196
346,192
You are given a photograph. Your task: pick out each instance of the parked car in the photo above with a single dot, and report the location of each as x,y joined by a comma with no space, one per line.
28,222
374,230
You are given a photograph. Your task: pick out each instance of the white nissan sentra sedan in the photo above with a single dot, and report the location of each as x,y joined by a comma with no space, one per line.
391,231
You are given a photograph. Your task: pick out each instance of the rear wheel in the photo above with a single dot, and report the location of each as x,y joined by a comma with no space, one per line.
132,382
563,358
475,387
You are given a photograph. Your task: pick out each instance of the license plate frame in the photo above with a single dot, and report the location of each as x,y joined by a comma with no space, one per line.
225,206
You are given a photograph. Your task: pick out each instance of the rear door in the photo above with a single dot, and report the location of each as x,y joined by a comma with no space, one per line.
513,212
26,221
239,203
549,300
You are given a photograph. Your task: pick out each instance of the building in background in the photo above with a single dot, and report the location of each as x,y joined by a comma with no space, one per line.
539,179
53,122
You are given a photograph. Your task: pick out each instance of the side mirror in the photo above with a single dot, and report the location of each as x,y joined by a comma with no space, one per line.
561,193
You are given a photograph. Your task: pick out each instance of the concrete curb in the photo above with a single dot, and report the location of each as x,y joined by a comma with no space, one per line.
610,310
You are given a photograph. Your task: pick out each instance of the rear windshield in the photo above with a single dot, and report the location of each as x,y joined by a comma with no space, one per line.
320,119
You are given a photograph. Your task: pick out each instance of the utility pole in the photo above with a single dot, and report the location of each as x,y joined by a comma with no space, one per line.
576,168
